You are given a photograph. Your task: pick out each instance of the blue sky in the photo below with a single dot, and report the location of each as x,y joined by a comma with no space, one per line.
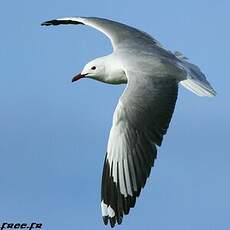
53,134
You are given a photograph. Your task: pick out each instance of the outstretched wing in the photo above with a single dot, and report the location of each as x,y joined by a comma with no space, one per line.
117,32
140,120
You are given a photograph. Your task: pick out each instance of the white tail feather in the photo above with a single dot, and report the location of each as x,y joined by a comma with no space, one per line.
196,80
198,88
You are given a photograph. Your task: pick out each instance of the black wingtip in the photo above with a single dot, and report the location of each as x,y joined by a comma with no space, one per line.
56,22
49,23
112,221
119,220
105,219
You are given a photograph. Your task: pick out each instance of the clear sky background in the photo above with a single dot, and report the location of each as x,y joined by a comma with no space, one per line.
53,134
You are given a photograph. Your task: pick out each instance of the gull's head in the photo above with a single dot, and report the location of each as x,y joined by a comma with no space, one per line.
94,69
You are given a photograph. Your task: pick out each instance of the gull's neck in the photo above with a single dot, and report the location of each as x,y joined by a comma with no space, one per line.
114,73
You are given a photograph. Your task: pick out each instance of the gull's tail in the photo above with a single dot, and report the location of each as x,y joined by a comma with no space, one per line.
196,80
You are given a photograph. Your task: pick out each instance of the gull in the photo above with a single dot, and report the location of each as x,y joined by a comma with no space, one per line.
144,110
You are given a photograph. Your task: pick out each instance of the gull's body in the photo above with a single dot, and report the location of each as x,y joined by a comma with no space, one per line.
144,110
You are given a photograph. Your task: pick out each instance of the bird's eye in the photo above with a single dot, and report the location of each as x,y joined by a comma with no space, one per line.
93,68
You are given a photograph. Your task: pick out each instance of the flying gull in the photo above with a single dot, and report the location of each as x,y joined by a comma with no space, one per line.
144,110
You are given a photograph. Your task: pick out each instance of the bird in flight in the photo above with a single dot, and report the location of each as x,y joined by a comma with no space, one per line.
144,110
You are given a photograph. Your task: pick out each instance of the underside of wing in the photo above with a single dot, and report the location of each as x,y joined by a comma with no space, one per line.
140,120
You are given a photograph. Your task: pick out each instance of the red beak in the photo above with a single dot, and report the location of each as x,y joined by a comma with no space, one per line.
77,77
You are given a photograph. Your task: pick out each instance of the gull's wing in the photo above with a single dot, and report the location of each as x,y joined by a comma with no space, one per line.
140,120
117,32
